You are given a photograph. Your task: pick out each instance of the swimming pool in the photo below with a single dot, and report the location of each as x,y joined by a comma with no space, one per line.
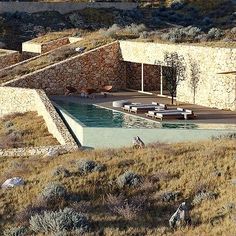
94,116
99,127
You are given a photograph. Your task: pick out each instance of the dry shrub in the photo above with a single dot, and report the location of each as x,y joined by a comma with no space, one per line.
81,206
127,208
24,216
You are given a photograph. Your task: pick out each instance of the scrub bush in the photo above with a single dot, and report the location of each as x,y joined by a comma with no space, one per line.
61,171
57,221
8,124
135,29
183,34
16,231
127,208
87,166
215,34
110,32
53,191
129,179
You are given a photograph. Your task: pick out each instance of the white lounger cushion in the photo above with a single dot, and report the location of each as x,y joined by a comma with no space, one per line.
145,107
139,105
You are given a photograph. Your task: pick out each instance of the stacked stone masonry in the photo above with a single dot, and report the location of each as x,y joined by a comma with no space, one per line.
9,58
23,100
134,75
93,69
49,46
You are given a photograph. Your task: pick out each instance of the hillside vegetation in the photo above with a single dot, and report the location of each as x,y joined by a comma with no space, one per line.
155,15
157,178
24,130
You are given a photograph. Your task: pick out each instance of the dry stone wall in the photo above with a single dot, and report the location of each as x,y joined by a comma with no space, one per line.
212,90
46,47
10,58
23,100
93,69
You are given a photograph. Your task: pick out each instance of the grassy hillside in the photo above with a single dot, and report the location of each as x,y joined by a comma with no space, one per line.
24,130
185,168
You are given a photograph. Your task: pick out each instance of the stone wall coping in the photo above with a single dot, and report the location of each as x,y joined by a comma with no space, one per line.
40,150
180,45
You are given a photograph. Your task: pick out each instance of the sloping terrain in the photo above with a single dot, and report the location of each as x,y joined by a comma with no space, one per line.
201,14
202,174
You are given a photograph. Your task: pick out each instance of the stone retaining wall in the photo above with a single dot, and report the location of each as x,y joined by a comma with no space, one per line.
35,47
213,89
62,7
23,100
151,76
9,58
94,69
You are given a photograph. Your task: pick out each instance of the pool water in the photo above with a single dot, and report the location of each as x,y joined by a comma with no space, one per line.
95,116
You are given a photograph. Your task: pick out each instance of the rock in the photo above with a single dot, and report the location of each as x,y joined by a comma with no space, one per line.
15,181
138,143
181,217
52,153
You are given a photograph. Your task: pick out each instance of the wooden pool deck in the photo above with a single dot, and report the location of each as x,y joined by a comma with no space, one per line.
204,115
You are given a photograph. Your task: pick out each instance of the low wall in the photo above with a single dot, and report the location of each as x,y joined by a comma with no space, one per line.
35,47
10,58
94,69
95,137
62,7
212,90
23,100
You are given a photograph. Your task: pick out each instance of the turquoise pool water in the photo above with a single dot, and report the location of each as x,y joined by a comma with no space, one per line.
95,116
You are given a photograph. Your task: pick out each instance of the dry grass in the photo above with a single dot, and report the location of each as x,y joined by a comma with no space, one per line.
24,130
186,167
54,35
90,41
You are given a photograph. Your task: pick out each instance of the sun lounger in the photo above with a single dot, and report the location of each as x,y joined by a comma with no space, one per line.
142,109
154,112
175,114
129,106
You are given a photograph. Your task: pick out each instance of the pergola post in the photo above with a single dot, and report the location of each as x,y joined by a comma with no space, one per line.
161,84
142,82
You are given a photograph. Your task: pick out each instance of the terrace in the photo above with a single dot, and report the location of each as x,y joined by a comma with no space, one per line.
205,115
208,122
